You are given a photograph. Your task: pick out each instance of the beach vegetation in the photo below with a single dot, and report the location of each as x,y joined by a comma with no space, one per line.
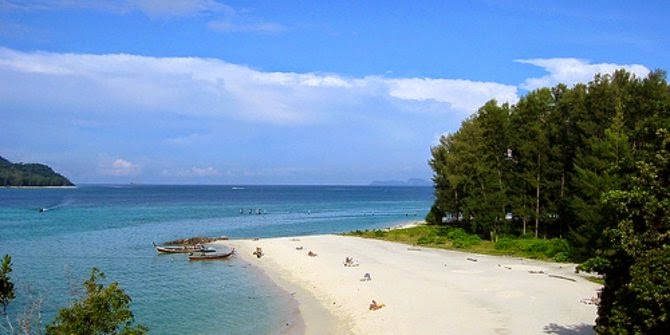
7,293
585,172
104,310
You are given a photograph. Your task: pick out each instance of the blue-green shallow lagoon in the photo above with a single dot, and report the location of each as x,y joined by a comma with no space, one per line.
111,227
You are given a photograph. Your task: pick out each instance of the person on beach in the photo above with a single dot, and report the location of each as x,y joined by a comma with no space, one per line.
311,254
375,306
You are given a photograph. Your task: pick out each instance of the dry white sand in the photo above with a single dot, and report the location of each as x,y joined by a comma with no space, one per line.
426,291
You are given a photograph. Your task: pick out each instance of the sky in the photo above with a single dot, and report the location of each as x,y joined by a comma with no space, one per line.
288,92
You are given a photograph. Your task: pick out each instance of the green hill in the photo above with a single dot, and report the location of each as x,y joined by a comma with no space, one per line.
31,174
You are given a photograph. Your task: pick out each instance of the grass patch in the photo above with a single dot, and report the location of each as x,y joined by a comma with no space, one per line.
557,250
550,249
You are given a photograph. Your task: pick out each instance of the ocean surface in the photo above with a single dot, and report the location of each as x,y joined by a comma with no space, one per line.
112,227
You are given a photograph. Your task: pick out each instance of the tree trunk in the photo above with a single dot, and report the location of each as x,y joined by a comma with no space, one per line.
456,206
537,197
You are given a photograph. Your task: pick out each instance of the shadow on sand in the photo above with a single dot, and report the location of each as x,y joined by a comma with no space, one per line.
580,329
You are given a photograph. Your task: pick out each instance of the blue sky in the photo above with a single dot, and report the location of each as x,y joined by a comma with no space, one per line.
287,92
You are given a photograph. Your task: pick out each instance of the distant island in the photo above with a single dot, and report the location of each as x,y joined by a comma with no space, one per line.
29,175
409,182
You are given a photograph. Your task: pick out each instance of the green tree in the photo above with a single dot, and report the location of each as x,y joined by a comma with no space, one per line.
636,295
6,286
103,311
605,168
532,148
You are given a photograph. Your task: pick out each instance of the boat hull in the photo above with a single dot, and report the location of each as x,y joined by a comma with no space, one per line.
181,249
205,257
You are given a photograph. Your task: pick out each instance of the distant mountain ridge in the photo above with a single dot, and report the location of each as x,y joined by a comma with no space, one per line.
409,182
29,175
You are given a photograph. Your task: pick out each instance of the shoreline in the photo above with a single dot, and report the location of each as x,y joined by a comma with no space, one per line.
309,314
426,291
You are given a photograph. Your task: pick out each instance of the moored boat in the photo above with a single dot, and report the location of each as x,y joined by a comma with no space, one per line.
202,257
175,249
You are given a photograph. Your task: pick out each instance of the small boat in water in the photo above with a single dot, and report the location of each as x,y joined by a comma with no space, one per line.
203,256
177,249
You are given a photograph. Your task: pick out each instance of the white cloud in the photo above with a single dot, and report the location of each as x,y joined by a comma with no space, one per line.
152,8
224,18
119,167
122,164
571,71
168,8
464,95
205,87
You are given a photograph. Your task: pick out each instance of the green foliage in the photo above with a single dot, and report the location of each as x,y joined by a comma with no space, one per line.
636,296
461,240
380,233
104,310
29,175
435,215
549,159
457,238
427,239
555,248
7,293
594,264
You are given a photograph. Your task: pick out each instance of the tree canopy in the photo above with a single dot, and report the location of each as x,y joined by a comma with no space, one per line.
7,293
590,164
103,311
20,174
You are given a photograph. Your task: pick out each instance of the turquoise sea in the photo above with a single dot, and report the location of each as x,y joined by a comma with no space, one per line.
111,227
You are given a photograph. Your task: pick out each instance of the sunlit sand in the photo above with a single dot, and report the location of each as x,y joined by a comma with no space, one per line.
424,291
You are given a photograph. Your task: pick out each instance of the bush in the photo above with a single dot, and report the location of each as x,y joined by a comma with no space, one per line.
427,239
460,239
556,248
505,243
467,241
594,264
380,233
561,257
104,310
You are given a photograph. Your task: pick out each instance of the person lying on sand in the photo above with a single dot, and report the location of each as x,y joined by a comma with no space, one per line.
366,277
375,306
311,254
594,300
258,253
349,261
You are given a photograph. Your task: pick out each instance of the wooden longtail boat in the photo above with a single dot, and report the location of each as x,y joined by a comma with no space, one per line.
176,249
204,257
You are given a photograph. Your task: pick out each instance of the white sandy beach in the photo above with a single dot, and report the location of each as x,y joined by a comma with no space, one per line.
425,291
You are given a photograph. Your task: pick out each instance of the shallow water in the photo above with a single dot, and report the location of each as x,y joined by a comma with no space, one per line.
112,227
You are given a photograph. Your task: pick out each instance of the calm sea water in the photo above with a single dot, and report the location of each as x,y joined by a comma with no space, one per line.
112,227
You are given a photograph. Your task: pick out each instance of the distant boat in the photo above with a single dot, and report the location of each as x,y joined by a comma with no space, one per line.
42,209
180,249
204,257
